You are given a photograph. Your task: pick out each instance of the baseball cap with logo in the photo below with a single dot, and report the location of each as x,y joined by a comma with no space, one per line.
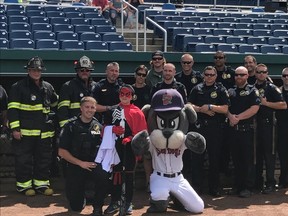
166,100
84,62
157,53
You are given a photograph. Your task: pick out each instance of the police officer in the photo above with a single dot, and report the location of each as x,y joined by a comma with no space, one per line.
169,82
250,63
282,128
210,101
188,77
30,101
74,90
3,109
106,93
244,99
271,100
79,142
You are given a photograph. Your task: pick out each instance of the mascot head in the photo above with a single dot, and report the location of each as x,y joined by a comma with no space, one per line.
168,118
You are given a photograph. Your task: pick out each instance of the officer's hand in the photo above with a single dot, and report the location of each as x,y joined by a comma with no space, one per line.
263,101
87,165
118,130
126,140
17,135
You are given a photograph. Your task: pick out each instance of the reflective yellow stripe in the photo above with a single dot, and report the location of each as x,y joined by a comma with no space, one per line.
74,105
61,123
14,124
27,184
26,132
28,107
14,105
46,110
38,183
47,134
64,103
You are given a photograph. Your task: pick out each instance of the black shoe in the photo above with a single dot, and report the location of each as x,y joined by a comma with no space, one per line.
112,208
245,193
268,189
97,211
281,186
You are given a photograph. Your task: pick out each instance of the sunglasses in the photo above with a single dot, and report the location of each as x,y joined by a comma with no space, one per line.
261,72
157,58
218,57
209,75
141,75
84,70
186,62
241,75
285,75
128,94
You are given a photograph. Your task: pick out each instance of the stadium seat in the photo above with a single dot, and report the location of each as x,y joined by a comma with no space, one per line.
261,26
41,27
271,16
278,26
33,7
63,27
166,25
179,18
256,40
52,8
47,44
17,19
34,13
243,32
3,26
227,25
108,37
168,6
84,28
90,36
3,34
88,10
161,17
91,15
97,22
60,36
269,49
202,31
230,19
222,32
264,20
235,40
280,33
38,19
187,13
214,39
277,41
38,35
102,29
74,14
55,14
21,44
17,34
227,48
285,49
243,26
281,21
196,19
3,18
204,13
170,13
262,33
248,48
177,41
120,46
246,20
190,24
213,19
189,42
19,26
210,25
15,13
19,7
59,20
72,45
255,15
4,43
70,9
96,45
79,21
205,48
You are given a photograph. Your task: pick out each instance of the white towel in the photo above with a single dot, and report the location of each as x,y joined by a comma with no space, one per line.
107,154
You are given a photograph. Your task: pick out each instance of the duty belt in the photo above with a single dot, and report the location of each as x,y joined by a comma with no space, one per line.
173,175
243,127
264,120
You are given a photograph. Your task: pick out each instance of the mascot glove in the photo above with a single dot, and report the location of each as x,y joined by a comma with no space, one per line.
118,130
126,140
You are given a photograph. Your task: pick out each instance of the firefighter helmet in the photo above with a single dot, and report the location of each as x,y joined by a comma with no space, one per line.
84,62
35,63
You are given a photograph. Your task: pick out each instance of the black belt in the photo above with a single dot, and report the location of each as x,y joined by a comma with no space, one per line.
173,175
243,127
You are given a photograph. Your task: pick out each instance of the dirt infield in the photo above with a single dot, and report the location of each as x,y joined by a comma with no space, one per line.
14,204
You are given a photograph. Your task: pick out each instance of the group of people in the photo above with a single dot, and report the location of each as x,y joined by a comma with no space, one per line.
239,112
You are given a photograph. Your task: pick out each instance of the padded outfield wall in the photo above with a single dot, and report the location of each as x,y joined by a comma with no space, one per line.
59,64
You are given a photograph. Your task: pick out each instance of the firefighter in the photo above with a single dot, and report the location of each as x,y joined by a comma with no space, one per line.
29,110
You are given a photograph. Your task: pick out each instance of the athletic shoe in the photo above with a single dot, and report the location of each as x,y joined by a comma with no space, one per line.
129,209
112,208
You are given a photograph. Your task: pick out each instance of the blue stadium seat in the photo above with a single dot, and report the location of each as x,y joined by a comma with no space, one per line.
38,19
166,25
214,39
285,49
47,44
262,32
278,26
17,19
204,13
265,20
246,20
88,10
34,13
256,40
19,26
3,18
120,46
196,19
168,6
60,36
21,44
235,40
96,45
79,21
38,35
108,37
59,20
269,49
176,41
271,16
19,7
243,26
55,14
3,34
226,25
261,26
187,13
91,15
283,16
179,18
280,33
230,19
208,25
102,29
248,48
17,34
72,45
71,9
213,19
222,32
52,8
41,27
90,36
189,42
205,48
34,7
281,21
190,24
63,27
222,14
3,26
202,31
243,32
161,17
277,41
74,14
15,13
84,28
170,13
227,48
4,43
97,22
255,15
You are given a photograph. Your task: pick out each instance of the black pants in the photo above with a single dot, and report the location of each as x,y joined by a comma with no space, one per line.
32,159
282,147
265,152
76,179
242,150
